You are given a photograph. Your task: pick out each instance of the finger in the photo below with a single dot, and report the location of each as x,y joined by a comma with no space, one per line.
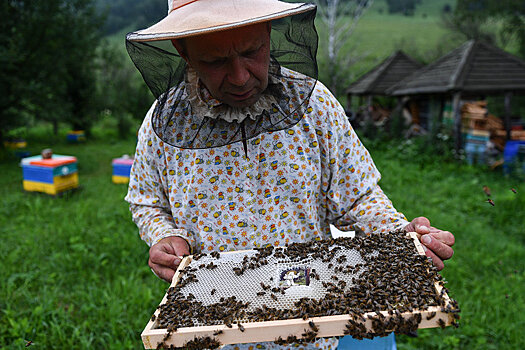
420,222
444,237
438,263
442,250
159,256
162,272
419,225
422,230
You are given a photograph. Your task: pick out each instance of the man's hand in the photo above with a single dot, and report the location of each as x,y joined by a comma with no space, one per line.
166,255
437,243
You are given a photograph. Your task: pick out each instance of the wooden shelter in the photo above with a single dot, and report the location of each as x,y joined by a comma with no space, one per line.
383,76
473,69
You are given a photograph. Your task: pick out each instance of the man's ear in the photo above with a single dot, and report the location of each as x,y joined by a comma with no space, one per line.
179,46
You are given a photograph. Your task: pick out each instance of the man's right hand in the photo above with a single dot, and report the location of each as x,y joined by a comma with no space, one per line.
166,255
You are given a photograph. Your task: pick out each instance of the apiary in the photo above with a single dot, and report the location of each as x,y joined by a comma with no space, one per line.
361,286
51,176
121,170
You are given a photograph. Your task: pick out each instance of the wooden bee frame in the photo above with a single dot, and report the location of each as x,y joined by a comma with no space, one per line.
328,326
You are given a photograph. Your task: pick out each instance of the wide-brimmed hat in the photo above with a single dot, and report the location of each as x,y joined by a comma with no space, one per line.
193,17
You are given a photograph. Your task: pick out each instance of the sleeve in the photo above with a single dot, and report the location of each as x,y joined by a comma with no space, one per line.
147,192
353,199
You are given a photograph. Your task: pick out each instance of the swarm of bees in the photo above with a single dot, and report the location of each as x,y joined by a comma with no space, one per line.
393,278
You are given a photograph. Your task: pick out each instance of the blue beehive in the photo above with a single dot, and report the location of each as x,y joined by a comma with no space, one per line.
76,136
50,176
121,169
476,145
513,156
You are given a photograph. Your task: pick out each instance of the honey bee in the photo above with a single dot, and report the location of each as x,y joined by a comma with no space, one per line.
491,202
431,315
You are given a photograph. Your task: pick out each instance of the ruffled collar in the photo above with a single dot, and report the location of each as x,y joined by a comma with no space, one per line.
205,105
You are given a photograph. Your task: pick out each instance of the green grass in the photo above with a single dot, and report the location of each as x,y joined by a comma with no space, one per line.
75,274
486,274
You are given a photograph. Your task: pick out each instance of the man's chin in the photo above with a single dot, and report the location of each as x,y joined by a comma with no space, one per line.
243,103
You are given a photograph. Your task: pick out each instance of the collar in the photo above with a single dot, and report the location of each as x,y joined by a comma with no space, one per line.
205,105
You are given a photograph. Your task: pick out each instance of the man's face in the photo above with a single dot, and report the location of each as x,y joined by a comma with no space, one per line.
232,64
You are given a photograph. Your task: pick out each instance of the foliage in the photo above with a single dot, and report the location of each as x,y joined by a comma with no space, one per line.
510,12
75,272
122,94
46,52
131,13
339,20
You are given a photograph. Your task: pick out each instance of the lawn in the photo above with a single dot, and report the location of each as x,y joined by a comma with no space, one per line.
75,272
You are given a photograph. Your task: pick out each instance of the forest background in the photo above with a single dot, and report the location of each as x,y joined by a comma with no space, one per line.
64,61
74,271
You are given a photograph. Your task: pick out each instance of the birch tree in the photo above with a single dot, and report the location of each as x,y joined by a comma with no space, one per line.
340,19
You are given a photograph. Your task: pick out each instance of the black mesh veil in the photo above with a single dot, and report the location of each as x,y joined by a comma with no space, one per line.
292,61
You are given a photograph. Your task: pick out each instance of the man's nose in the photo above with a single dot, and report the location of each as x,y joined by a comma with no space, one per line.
238,73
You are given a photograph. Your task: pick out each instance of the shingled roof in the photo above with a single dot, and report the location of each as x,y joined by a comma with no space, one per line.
473,67
389,72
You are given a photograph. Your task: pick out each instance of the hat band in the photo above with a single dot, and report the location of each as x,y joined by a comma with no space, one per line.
180,4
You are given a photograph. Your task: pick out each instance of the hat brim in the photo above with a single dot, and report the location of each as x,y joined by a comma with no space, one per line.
207,16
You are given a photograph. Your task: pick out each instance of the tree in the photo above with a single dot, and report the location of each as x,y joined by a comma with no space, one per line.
121,91
340,19
510,12
47,52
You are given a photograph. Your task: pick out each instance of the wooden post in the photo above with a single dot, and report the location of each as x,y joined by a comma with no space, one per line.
369,107
441,110
457,119
507,121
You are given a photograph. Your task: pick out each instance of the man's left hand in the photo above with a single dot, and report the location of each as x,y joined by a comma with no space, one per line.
437,243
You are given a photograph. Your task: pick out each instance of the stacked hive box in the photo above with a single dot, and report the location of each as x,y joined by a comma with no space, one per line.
76,136
474,120
51,176
121,170
18,146
15,143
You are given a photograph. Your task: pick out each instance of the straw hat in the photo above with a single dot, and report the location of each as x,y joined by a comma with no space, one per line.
193,17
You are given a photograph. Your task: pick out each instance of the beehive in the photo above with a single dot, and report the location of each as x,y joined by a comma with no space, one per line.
363,287
121,170
51,176
75,136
